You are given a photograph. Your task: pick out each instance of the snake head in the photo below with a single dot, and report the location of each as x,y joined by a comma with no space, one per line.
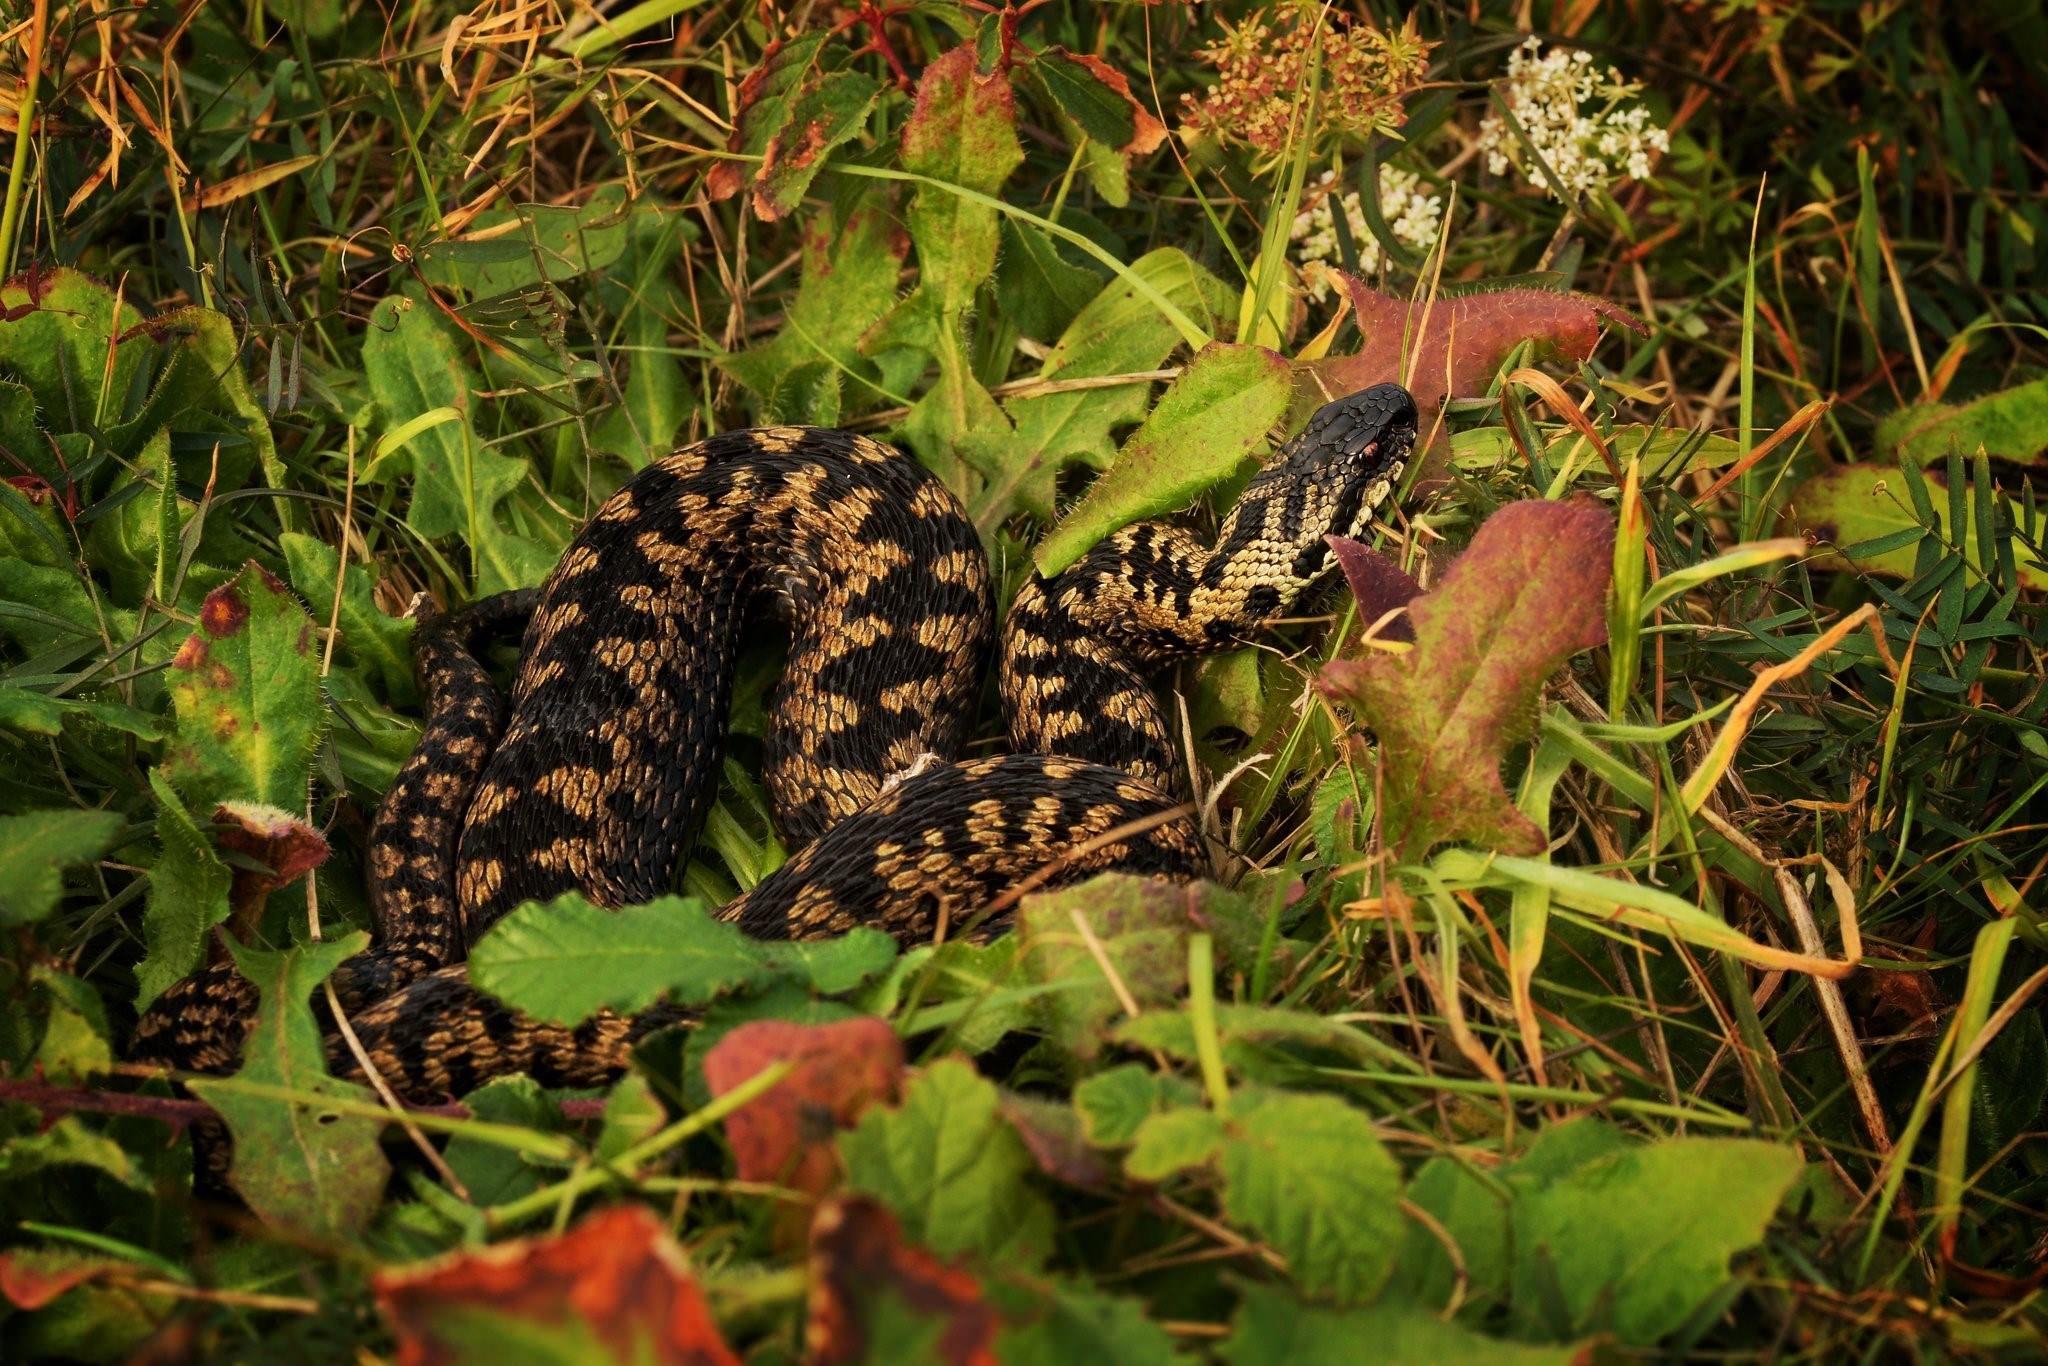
1330,480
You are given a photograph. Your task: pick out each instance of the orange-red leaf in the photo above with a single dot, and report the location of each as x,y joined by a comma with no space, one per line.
786,1135
858,1257
616,1277
285,846
1458,343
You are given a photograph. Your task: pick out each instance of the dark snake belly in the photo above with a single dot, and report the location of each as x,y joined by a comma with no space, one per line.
597,773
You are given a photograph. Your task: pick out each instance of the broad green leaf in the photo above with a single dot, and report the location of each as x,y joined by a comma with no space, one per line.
1864,518
68,1143
1171,1142
2011,424
1077,1323
1640,1278
832,966
1308,1174
1038,288
75,1042
1114,1103
56,336
299,1164
632,1113
188,896
1119,332
1527,594
1275,1329
491,1172
35,849
1475,1217
1098,113
1204,428
1665,454
564,960
380,644
812,368
1139,925
950,1169
415,368
245,688
201,387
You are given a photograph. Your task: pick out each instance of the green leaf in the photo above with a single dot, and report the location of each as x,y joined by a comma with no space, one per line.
564,960
1140,925
812,368
379,643
35,849
1275,1329
1078,1323
188,896
1038,288
491,1172
765,102
529,244
1308,1174
68,1143
1113,1104
415,370
1173,1141
833,966
1475,1216
644,295
1861,520
950,1169
75,1042
300,1164
1527,594
245,688
632,1112
2011,424
202,375
1204,428
1641,1278
823,116
56,330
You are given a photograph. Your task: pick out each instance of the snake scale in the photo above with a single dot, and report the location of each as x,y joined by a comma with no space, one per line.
596,771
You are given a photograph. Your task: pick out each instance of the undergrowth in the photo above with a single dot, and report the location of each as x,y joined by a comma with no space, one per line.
1624,932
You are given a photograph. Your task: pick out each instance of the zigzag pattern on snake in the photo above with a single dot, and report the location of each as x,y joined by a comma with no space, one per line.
595,773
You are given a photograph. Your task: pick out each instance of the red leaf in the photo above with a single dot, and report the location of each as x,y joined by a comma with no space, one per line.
1470,334
286,846
30,1279
786,1136
1378,583
763,107
857,1256
1529,592
617,1276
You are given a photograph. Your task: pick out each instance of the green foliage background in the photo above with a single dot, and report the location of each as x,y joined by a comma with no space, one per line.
311,309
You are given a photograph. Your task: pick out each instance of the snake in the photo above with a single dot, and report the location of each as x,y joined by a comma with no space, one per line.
594,772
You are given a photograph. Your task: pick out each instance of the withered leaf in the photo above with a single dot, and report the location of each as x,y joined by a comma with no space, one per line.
285,847
858,1257
1529,592
616,1277
786,1136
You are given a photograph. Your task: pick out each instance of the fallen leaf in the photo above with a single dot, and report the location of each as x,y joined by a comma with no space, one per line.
858,1257
1458,342
617,1277
1529,592
786,1135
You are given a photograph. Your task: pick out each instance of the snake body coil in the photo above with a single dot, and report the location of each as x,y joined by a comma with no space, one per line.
596,775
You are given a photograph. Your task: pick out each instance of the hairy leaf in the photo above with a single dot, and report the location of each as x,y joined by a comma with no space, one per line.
246,690
380,644
55,332
188,896
1139,925
1529,592
1203,429
950,1168
1585,1235
2011,424
616,1284
300,1165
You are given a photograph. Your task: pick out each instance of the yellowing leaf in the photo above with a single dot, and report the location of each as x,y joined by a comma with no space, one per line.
247,183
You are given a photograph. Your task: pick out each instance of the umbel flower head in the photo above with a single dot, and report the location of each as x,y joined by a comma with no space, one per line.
1585,123
1413,216
1262,68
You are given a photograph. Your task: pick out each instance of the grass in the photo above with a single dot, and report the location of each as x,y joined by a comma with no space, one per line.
1817,724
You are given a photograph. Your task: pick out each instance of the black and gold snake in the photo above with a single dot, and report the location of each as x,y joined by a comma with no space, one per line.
596,775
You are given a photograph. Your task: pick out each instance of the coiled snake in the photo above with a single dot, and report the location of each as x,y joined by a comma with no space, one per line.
596,775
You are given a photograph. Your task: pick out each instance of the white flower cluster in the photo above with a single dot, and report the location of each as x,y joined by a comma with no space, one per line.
1584,122
1412,216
